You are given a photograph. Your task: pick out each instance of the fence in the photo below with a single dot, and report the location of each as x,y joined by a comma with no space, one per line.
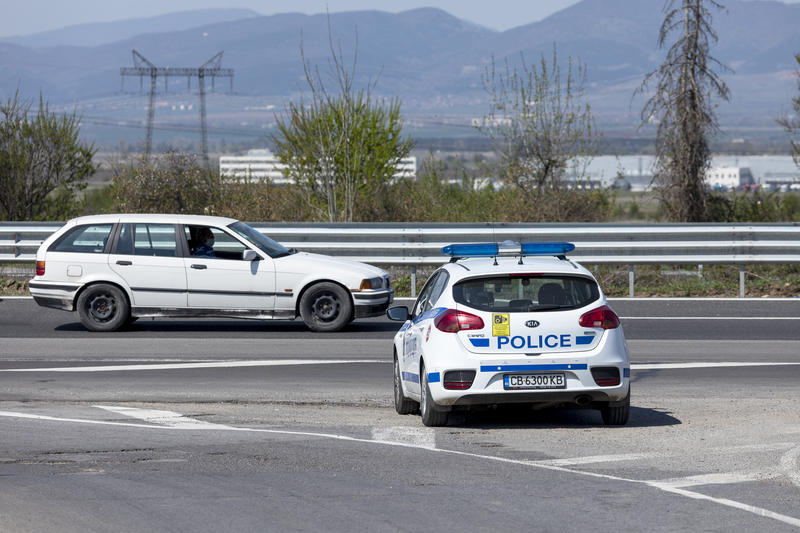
417,245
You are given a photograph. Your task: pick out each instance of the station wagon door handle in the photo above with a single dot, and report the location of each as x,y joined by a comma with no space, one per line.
124,263
199,267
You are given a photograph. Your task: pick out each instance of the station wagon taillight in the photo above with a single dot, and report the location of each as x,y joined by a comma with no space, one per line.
40,268
452,321
602,317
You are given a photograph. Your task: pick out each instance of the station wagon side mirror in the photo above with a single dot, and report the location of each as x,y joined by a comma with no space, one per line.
250,255
398,312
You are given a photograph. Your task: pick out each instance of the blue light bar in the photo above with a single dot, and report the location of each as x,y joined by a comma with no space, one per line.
546,248
493,249
478,249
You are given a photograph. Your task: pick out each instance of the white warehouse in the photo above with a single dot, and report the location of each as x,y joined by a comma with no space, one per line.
260,164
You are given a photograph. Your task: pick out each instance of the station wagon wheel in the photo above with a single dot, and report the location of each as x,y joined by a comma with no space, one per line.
402,405
616,413
326,307
103,307
431,416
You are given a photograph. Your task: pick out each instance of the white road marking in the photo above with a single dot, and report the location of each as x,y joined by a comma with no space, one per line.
591,459
182,366
291,362
748,318
790,465
165,418
726,478
671,366
416,436
759,511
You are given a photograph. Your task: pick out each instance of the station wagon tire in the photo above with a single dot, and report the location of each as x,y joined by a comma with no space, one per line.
616,413
431,415
103,307
326,307
402,405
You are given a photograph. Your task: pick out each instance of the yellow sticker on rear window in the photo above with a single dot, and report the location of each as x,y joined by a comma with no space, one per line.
501,327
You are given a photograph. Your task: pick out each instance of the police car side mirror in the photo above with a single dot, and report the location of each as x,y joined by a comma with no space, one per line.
398,312
249,255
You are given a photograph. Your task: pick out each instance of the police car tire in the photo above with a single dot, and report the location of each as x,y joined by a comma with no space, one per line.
402,405
616,414
431,416
103,307
326,307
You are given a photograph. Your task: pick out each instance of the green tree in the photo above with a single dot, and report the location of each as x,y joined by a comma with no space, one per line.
172,183
791,123
341,143
683,109
43,163
542,130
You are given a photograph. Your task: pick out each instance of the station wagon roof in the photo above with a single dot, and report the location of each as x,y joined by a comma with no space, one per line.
202,220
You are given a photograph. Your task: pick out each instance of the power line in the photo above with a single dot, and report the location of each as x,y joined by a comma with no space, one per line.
142,67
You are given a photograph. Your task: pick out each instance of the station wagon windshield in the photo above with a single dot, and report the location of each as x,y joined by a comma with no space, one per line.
262,242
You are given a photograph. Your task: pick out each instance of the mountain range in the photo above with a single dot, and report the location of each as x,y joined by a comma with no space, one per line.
430,59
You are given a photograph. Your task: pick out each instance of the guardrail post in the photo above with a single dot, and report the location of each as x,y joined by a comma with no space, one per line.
414,281
631,276
741,281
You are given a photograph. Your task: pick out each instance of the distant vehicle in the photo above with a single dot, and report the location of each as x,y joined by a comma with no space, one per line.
114,269
510,323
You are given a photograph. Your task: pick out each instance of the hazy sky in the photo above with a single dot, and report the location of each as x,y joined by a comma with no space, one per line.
21,17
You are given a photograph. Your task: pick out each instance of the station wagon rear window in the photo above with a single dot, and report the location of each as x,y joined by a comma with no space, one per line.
90,239
526,292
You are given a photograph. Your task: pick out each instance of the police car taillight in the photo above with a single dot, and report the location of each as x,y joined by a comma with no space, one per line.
40,268
452,321
602,317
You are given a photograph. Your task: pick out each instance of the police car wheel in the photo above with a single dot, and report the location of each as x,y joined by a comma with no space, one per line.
402,405
103,307
326,307
616,413
431,416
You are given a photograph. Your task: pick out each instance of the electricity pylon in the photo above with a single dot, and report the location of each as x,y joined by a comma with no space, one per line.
142,67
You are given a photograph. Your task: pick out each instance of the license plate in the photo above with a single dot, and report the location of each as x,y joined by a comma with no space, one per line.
535,381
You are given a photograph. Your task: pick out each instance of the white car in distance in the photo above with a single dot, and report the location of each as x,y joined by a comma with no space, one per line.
510,323
113,269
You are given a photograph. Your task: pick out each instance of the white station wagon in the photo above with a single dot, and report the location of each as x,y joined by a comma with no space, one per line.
114,269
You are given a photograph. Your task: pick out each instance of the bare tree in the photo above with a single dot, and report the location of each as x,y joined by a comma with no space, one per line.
341,141
540,126
682,107
791,122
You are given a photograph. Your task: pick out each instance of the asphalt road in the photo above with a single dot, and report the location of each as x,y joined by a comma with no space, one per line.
211,425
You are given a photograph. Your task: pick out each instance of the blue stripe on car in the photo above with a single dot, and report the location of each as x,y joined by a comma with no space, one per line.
626,372
408,376
584,339
480,343
530,368
434,377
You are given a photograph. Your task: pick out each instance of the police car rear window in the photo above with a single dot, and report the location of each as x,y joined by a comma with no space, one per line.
526,292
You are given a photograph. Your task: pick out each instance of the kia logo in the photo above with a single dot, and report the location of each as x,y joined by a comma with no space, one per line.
532,323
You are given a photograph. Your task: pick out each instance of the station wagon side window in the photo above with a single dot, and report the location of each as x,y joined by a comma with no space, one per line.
147,239
89,239
225,245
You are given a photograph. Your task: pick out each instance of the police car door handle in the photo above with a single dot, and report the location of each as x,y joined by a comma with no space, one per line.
124,263
199,267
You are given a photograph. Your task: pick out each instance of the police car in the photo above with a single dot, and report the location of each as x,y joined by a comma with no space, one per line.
510,323
113,269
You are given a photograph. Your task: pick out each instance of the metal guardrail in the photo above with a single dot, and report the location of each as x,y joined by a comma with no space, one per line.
417,245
